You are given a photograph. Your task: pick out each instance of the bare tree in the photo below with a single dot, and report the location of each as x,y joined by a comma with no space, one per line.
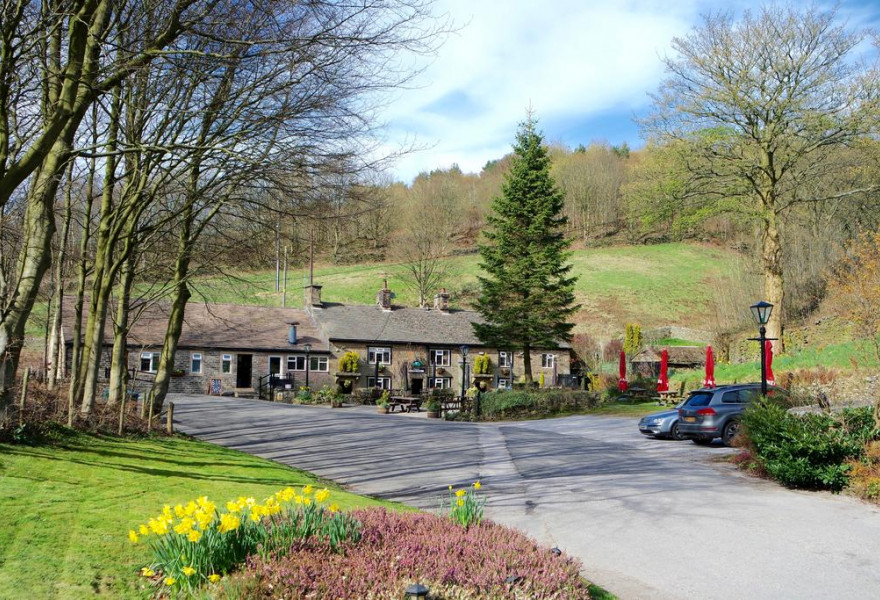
759,102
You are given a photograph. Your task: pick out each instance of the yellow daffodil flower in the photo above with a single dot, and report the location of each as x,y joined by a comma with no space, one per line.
169,581
188,571
477,485
184,527
179,511
147,572
460,493
233,506
213,578
322,495
298,499
144,530
194,535
307,501
133,536
334,507
308,490
228,522
460,502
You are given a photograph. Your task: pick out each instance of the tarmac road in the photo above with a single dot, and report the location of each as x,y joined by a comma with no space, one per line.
648,518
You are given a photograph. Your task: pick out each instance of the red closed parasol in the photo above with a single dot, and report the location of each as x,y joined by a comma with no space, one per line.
709,381
622,383
768,345
663,381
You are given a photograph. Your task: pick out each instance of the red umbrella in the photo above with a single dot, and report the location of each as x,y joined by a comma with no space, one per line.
622,384
663,382
709,381
768,345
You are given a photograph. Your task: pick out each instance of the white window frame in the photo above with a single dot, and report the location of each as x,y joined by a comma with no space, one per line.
503,383
226,364
151,356
319,363
195,357
505,359
442,383
382,353
444,355
548,360
384,382
297,360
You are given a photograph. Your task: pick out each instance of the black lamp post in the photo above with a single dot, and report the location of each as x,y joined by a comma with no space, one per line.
464,354
308,349
761,312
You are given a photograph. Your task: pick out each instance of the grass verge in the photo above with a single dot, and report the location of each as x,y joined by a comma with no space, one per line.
68,507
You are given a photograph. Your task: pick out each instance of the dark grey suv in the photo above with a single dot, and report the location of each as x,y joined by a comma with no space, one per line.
714,413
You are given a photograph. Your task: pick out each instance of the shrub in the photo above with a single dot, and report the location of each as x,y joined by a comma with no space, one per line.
806,451
399,548
506,404
349,362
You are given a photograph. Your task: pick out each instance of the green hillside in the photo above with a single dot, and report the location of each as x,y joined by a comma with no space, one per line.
653,285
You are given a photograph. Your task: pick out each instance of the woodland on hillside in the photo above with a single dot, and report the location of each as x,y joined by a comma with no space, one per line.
143,145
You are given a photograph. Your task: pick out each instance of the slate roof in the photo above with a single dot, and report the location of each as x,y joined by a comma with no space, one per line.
220,326
369,323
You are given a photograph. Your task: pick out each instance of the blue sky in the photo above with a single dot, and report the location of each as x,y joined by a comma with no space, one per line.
585,66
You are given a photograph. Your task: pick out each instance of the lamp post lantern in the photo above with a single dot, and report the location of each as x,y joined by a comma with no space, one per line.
761,312
308,349
464,354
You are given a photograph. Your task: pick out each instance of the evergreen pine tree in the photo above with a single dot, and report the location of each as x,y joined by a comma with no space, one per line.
527,294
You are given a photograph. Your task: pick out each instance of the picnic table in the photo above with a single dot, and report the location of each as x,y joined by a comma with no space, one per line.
405,403
668,397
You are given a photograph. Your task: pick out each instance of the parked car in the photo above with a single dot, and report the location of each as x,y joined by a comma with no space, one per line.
711,413
663,424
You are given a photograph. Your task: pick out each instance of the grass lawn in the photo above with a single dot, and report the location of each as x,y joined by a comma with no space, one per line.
68,508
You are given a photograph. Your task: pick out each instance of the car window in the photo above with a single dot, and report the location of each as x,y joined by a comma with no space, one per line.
699,399
730,397
748,394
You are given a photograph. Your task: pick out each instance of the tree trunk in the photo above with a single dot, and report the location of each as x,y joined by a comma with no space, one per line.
55,370
771,262
119,358
527,364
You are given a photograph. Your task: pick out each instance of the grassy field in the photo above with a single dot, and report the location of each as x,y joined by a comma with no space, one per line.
656,285
68,508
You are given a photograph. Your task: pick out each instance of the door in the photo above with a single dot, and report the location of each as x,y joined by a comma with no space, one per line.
243,374
275,366
416,386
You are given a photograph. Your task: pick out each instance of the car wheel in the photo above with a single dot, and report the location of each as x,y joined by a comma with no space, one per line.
702,441
730,431
675,433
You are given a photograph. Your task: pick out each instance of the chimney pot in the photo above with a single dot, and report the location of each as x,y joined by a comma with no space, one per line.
291,333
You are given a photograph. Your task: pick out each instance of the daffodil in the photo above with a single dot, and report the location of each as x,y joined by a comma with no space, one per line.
233,506
179,511
194,535
322,495
477,485
213,578
308,490
460,502
228,522
307,501
185,526
190,508
169,581
133,536
188,571
147,572
460,493
334,507
144,530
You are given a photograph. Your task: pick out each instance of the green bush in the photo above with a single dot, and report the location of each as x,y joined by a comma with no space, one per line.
807,451
519,403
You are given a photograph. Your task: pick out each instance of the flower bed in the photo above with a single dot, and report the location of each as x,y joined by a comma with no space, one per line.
398,549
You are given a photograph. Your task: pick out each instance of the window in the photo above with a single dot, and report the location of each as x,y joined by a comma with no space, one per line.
195,363
147,362
505,359
442,383
547,361
441,358
383,355
296,363
731,397
384,382
319,363
503,384
226,364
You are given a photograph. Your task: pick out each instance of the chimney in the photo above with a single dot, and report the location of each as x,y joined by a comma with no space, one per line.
291,332
441,300
384,296
313,296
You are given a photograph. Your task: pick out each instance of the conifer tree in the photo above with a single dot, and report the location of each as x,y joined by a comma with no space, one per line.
527,294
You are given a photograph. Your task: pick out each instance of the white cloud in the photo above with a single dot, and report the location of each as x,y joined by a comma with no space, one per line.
572,60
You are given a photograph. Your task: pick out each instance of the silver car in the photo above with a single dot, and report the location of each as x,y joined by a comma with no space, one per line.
716,412
663,424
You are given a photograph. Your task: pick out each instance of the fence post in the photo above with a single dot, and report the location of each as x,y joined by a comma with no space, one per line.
150,419
24,392
169,425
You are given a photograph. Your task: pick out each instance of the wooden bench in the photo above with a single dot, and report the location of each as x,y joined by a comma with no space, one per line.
406,403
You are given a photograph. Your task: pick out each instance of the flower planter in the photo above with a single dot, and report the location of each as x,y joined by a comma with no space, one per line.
433,414
382,409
